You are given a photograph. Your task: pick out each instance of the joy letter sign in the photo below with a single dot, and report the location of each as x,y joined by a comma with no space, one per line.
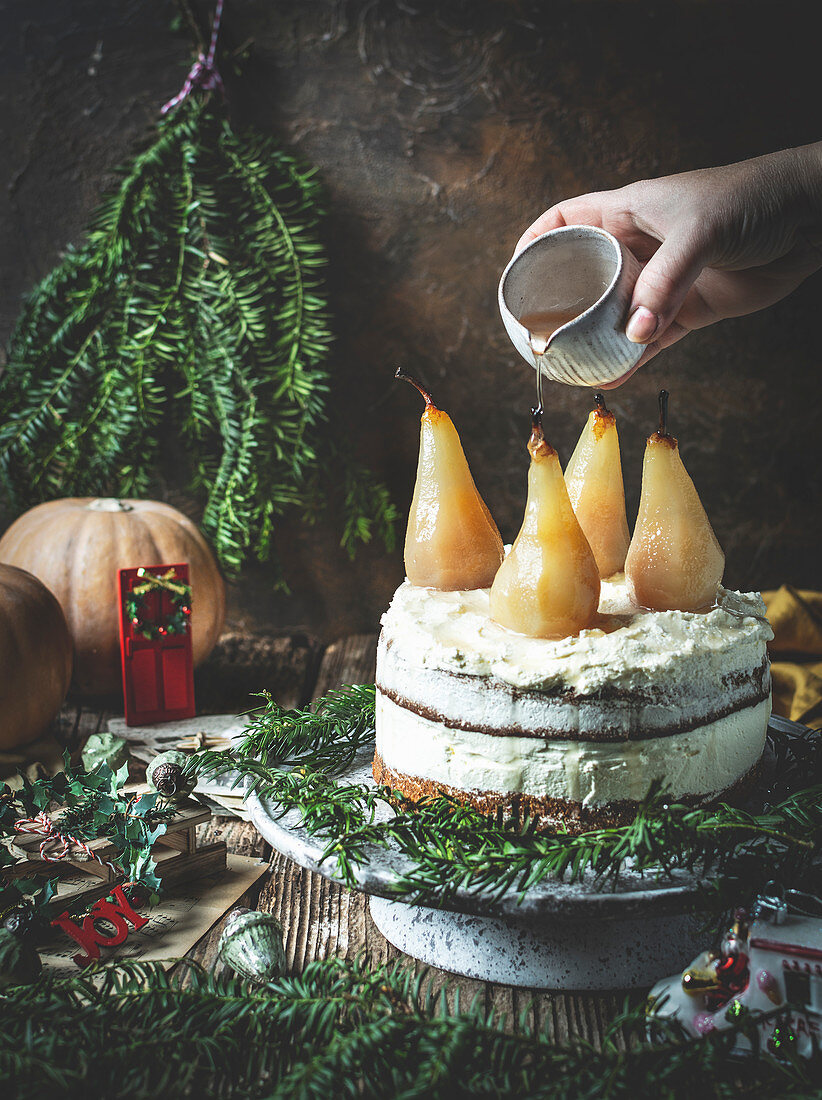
116,915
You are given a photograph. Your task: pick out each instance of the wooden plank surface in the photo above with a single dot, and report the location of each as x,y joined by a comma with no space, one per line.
351,660
321,919
241,665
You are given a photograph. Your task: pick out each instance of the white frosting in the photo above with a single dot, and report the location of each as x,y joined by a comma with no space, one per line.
486,704
453,632
592,703
701,762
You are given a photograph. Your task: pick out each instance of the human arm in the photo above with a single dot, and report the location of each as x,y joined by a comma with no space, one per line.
715,243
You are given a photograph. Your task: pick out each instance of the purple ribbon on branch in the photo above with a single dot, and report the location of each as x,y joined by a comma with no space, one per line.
203,73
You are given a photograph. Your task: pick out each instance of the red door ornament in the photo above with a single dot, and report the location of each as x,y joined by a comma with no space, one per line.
155,644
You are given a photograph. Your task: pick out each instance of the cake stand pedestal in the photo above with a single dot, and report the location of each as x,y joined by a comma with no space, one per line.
558,935
570,936
570,954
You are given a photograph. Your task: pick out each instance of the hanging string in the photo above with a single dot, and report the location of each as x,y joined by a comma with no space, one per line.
203,73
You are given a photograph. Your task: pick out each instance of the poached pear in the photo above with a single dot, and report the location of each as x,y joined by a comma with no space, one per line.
674,562
548,586
594,479
451,542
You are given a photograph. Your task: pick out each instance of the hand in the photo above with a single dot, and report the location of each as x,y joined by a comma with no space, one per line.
715,243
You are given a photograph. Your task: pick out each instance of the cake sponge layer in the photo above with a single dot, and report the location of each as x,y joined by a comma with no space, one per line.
547,813
488,705
700,763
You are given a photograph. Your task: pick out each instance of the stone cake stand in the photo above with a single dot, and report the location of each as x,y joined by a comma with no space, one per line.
559,935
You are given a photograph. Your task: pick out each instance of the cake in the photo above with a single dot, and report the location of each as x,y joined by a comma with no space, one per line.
573,731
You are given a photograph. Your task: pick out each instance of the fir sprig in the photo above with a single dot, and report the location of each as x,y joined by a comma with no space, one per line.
292,756
327,736
343,1029
194,314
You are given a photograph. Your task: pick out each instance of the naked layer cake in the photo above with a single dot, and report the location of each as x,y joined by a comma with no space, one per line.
574,731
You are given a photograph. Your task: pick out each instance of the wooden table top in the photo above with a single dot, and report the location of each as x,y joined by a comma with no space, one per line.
319,917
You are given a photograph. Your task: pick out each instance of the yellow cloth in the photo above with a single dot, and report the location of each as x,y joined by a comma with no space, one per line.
796,653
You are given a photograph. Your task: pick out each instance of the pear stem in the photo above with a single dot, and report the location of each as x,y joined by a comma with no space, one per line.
538,445
537,441
663,413
400,373
599,401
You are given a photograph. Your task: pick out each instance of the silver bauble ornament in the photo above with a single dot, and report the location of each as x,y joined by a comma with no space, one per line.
166,774
252,945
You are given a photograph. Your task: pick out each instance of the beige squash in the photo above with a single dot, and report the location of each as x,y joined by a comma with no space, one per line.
35,657
75,547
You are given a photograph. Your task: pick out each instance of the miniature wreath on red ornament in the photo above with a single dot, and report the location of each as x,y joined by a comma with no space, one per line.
179,592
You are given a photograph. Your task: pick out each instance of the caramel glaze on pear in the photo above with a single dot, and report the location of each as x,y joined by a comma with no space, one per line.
548,586
594,479
674,562
451,542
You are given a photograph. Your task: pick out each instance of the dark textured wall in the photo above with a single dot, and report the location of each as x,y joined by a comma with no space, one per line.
440,132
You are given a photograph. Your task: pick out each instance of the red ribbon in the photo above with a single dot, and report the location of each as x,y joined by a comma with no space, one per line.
42,825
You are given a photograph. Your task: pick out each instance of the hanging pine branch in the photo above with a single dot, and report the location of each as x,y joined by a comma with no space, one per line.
193,312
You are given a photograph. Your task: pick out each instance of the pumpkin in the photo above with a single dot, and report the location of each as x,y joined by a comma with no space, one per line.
75,547
35,656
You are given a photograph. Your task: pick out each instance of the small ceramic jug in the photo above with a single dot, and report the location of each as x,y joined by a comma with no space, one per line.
583,274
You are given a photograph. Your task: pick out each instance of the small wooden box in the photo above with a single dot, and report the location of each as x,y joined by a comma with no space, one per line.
176,853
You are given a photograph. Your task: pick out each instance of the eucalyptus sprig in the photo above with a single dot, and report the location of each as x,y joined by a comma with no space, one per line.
345,1029
190,327
291,757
